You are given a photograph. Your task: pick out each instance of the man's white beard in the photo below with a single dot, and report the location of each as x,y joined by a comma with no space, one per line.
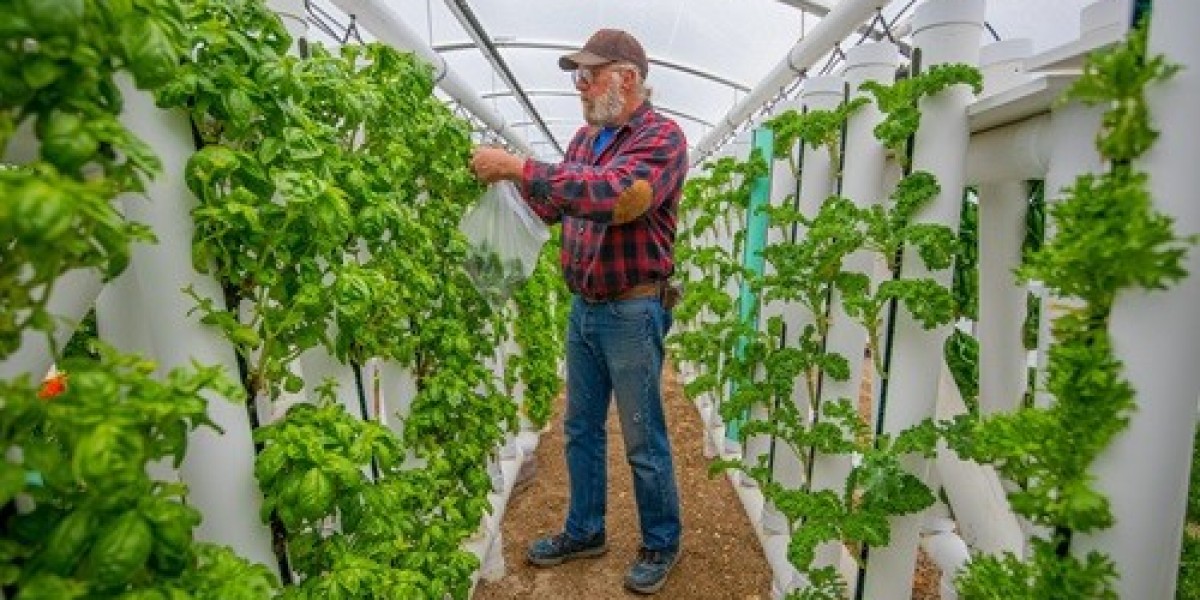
605,109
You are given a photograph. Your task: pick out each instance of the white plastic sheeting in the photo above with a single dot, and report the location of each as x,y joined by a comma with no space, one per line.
705,54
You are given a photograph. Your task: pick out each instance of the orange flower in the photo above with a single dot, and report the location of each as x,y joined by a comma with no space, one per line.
53,386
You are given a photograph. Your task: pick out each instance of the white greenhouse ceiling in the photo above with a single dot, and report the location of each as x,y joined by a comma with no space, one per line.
705,55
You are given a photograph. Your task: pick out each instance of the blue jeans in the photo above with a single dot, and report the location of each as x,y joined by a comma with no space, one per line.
616,348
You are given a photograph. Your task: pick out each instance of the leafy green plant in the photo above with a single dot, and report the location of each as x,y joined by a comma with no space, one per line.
817,128
350,536
899,101
1108,238
59,60
765,371
338,224
100,526
539,329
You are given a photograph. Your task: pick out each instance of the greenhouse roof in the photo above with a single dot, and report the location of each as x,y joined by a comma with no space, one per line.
706,56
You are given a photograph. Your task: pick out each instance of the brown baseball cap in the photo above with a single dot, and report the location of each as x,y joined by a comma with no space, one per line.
606,46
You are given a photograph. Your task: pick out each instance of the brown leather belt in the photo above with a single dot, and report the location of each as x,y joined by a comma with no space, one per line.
641,290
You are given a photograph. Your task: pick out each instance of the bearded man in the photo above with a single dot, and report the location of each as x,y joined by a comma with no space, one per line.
616,195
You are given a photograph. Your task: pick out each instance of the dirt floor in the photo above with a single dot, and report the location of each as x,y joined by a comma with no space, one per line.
722,559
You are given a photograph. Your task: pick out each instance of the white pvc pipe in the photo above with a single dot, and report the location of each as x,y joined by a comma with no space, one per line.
863,174
946,31
1072,153
74,291
947,550
1015,152
974,491
120,316
816,175
1002,371
387,26
319,365
219,469
833,28
1002,64
398,387
120,323
817,181
1157,336
786,467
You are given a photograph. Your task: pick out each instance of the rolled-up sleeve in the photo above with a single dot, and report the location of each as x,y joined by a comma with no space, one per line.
595,193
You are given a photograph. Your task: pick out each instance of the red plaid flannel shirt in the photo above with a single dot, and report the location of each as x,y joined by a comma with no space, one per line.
601,259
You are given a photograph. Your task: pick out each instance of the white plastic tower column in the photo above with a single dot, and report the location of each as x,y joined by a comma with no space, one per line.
74,292
863,176
818,181
816,173
398,386
1002,364
816,184
1157,337
120,316
786,468
319,364
1072,153
945,31
219,468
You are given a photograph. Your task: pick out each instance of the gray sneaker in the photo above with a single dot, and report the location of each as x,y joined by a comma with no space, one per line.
556,549
649,572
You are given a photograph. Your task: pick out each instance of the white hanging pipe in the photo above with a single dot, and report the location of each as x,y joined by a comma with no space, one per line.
318,365
120,315
219,468
387,26
947,550
945,31
862,183
398,387
817,176
120,323
1156,335
833,28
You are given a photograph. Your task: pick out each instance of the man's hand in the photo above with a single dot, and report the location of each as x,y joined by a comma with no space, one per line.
494,164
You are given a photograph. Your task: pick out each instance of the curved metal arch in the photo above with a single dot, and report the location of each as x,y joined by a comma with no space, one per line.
563,47
572,94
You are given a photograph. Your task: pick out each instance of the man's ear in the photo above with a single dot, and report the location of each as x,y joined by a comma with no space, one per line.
634,201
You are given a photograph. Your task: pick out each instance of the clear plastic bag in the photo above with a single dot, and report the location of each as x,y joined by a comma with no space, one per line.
505,239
